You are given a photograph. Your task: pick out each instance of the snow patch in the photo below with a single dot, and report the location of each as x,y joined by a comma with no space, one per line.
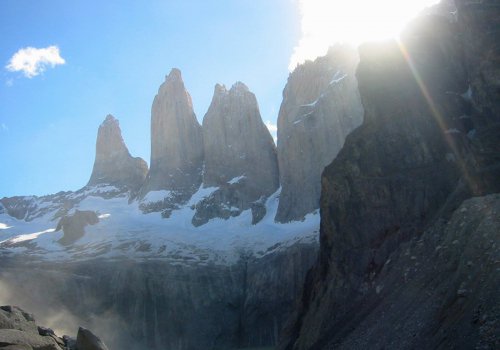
338,77
312,104
28,237
156,196
468,94
235,180
202,193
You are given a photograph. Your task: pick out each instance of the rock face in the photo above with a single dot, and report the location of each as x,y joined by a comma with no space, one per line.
395,241
158,305
176,140
113,163
320,107
240,155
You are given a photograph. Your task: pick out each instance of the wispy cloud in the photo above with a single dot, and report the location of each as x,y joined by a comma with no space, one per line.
325,22
32,61
3,127
9,82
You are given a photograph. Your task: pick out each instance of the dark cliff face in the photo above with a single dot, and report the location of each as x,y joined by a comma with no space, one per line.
430,140
160,305
176,139
113,163
320,108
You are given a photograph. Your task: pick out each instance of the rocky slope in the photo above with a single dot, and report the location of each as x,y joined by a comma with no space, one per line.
240,155
113,163
176,140
320,107
398,247
18,331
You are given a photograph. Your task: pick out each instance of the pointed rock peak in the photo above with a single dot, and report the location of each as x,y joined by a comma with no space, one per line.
175,75
110,120
239,87
113,163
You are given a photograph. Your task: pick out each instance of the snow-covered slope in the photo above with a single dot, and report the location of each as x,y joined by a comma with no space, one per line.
28,228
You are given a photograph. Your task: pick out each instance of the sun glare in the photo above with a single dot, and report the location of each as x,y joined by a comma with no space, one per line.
325,22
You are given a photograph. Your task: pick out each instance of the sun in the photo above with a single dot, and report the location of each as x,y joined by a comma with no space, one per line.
325,22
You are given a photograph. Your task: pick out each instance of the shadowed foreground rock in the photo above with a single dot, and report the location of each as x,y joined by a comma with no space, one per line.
18,331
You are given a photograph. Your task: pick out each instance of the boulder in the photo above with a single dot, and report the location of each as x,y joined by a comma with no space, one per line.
86,340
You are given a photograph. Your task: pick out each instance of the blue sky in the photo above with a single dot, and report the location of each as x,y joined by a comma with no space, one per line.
116,55
110,57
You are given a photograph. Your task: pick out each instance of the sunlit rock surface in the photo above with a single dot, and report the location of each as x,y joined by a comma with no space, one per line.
240,155
176,140
320,107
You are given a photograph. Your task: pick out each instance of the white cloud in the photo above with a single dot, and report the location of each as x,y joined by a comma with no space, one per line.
325,22
273,129
32,61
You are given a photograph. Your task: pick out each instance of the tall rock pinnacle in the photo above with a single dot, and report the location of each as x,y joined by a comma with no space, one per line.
236,140
176,139
113,162
240,155
321,105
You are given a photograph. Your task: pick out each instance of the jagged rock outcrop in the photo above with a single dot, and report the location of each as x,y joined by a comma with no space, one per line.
18,331
73,225
113,163
240,155
397,249
176,140
320,107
